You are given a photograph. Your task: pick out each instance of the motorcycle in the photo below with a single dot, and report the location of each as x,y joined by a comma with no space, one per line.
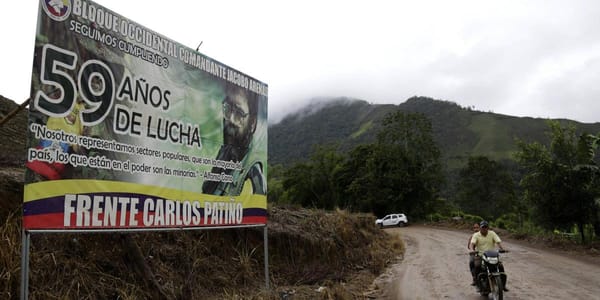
491,276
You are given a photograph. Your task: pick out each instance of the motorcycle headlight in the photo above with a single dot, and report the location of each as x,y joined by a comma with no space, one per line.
492,260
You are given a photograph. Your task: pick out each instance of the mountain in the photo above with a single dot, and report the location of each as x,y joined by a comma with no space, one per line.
459,132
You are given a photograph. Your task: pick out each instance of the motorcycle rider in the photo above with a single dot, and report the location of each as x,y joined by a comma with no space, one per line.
485,240
472,256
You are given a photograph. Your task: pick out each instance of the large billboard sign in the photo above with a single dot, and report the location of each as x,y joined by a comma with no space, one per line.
130,130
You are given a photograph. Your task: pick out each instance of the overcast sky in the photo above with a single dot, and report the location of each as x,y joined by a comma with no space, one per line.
521,58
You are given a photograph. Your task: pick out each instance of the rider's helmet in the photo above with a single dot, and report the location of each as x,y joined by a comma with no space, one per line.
483,224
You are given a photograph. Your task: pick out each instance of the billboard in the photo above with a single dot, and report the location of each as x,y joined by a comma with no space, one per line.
129,129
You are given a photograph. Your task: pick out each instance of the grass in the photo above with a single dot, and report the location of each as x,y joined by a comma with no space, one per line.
363,128
495,140
531,234
10,268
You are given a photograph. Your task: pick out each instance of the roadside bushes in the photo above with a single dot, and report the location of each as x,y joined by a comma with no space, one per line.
509,222
456,217
436,217
470,219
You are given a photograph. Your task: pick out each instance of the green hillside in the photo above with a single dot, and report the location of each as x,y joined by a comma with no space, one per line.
459,132
344,121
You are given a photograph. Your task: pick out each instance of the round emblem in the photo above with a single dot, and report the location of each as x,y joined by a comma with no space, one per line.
57,10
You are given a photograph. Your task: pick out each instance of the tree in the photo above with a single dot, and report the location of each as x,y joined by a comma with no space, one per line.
402,171
485,188
275,184
561,181
314,183
326,162
355,180
297,184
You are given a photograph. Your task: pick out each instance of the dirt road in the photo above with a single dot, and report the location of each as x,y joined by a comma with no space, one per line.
435,266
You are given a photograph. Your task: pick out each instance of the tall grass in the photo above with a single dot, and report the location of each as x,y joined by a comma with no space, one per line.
306,247
10,254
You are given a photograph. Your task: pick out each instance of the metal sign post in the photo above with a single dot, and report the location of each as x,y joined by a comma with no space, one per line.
266,245
26,238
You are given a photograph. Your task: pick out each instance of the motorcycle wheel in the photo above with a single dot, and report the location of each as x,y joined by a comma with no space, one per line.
497,288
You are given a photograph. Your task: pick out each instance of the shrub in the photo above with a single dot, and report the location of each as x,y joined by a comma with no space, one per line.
436,217
470,219
508,221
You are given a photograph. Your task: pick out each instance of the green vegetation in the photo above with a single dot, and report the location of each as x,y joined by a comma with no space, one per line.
401,171
459,132
562,181
485,188
362,130
529,176
495,140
